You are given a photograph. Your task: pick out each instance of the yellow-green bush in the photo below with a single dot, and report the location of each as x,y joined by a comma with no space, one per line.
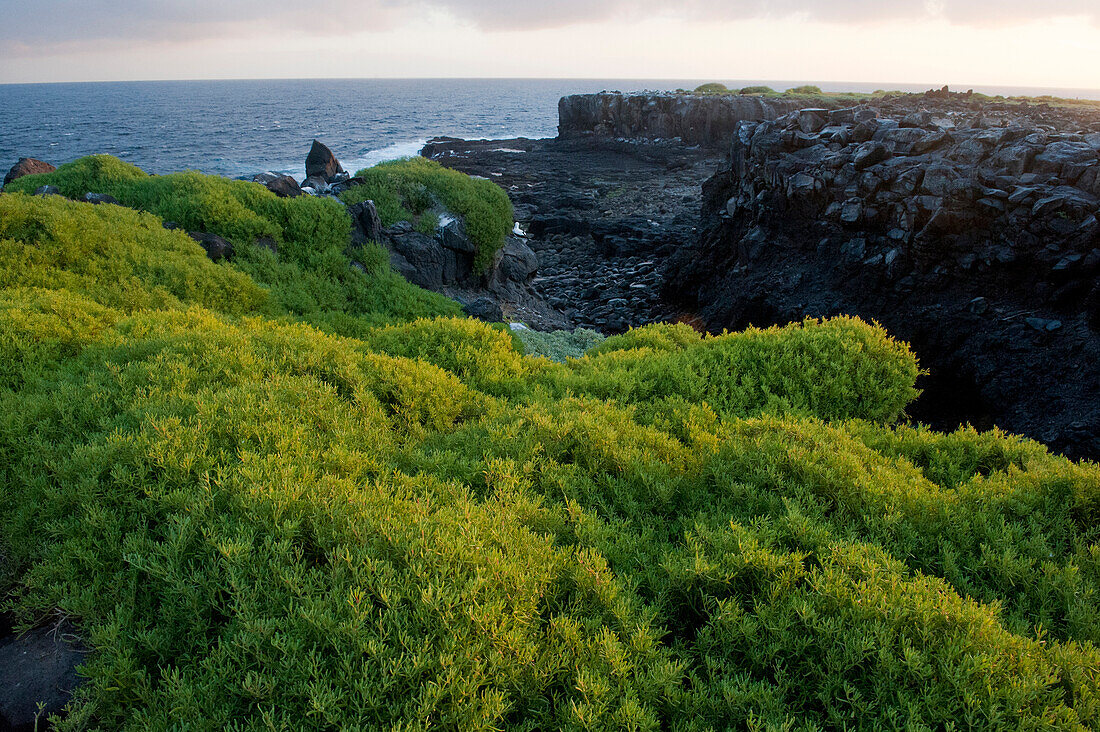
304,515
311,274
115,256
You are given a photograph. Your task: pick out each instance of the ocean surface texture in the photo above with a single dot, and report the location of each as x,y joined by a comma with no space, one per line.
242,127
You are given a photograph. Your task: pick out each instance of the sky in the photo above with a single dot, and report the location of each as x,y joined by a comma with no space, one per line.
1053,44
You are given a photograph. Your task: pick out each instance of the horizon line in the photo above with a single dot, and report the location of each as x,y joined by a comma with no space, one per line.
881,84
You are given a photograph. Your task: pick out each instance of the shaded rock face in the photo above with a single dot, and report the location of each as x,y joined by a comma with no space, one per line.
697,120
27,166
321,163
972,233
366,224
215,246
423,260
37,667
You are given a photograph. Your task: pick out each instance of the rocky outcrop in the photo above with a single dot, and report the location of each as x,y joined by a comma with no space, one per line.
444,262
27,166
696,120
601,214
97,198
281,185
971,232
321,163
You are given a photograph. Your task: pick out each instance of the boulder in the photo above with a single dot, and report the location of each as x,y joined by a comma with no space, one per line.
453,236
813,120
516,261
283,186
47,191
485,309
342,185
422,259
27,166
1058,155
216,247
321,163
266,242
316,185
868,154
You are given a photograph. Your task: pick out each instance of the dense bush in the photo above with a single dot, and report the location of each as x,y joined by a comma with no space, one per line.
806,89
349,523
712,88
114,256
310,275
757,90
407,190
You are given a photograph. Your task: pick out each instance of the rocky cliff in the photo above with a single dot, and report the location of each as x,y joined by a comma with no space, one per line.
970,230
697,120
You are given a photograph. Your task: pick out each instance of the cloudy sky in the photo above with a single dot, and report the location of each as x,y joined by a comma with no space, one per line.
1055,43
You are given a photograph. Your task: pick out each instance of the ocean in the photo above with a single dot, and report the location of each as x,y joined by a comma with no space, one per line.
242,127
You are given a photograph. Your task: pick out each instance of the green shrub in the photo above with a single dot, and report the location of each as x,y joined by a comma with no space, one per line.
405,190
112,255
658,337
757,90
355,523
837,369
711,88
312,272
807,89
94,173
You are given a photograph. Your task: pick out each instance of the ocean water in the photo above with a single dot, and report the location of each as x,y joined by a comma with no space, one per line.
241,127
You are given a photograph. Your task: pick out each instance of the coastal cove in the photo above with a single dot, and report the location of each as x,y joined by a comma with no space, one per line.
649,410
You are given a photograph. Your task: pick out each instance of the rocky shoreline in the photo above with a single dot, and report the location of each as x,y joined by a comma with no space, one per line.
968,228
602,216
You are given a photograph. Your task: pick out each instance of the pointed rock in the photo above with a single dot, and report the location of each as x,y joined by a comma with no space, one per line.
321,163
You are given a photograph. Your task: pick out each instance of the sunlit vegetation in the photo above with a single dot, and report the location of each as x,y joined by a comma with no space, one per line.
356,518
712,88
310,273
811,93
412,189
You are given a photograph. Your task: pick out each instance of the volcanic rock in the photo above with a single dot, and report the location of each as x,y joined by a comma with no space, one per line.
27,166
321,163
215,246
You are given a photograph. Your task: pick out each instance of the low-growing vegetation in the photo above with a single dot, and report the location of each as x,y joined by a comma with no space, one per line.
815,93
413,189
310,273
346,516
712,88
558,345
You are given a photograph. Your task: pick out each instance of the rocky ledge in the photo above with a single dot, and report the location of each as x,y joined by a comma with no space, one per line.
969,230
695,120
600,214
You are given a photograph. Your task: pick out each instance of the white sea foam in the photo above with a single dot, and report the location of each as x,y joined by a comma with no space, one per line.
407,149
